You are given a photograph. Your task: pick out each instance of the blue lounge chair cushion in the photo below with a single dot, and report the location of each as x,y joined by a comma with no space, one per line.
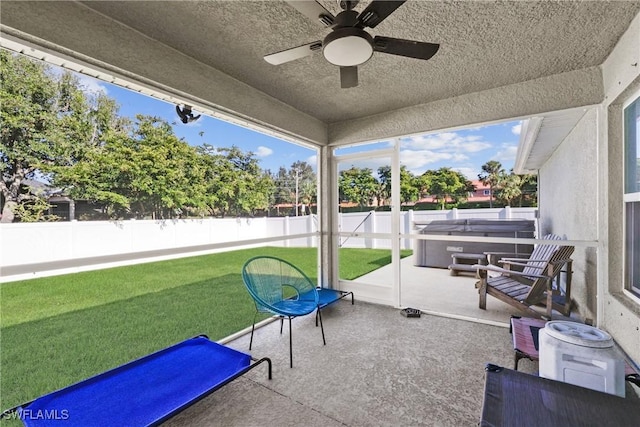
298,307
142,392
328,296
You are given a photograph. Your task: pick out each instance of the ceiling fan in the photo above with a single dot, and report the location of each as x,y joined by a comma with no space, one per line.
349,45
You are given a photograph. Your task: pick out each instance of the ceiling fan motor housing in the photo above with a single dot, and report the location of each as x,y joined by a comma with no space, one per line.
348,46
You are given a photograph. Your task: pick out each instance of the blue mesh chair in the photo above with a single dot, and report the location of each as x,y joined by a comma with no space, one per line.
280,288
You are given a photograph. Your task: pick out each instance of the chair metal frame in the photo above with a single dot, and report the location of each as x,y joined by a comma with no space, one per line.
281,305
328,296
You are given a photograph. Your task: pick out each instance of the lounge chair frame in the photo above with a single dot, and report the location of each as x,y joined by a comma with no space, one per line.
124,405
513,398
327,296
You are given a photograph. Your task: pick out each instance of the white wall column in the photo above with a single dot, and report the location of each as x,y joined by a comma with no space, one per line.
327,218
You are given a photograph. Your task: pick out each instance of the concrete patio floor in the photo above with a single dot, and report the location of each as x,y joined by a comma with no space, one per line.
377,369
435,291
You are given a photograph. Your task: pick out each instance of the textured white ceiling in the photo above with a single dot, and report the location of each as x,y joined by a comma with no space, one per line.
484,45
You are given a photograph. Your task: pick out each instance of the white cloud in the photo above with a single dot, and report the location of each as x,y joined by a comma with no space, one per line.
263,151
506,154
470,173
448,142
477,128
417,161
312,161
91,85
87,83
459,157
422,152
517,129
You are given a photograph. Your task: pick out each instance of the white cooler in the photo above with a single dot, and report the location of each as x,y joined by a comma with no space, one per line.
582,355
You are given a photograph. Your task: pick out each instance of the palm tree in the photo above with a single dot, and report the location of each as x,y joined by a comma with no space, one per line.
510,189
491,176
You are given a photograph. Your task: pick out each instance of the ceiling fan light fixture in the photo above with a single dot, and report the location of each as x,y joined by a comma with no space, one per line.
347,47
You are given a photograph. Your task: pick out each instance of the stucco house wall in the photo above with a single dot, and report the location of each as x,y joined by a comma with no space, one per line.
568,203
620,311
592,157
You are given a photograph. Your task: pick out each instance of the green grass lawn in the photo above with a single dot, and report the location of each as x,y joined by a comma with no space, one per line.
58,330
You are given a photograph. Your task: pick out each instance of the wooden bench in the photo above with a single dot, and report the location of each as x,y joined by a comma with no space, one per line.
464,262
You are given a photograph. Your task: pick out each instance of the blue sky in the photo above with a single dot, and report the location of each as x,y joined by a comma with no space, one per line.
463,150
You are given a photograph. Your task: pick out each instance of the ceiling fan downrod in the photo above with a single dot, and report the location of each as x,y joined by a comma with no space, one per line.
348,4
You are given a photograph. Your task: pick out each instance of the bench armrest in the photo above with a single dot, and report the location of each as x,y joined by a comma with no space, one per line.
523,259
509,272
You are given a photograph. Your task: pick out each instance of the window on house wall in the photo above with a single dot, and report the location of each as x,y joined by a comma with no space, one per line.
632,195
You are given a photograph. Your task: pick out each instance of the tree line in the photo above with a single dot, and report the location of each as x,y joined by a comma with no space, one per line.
449,188
136,167
55,132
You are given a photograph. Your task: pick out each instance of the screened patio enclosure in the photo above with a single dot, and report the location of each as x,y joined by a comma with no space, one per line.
567,68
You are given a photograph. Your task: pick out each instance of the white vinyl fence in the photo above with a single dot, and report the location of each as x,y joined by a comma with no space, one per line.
37,247
410,221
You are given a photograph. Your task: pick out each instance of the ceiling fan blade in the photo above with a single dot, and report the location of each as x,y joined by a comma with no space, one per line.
314,11
293,53
348,77
378,11
408,48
